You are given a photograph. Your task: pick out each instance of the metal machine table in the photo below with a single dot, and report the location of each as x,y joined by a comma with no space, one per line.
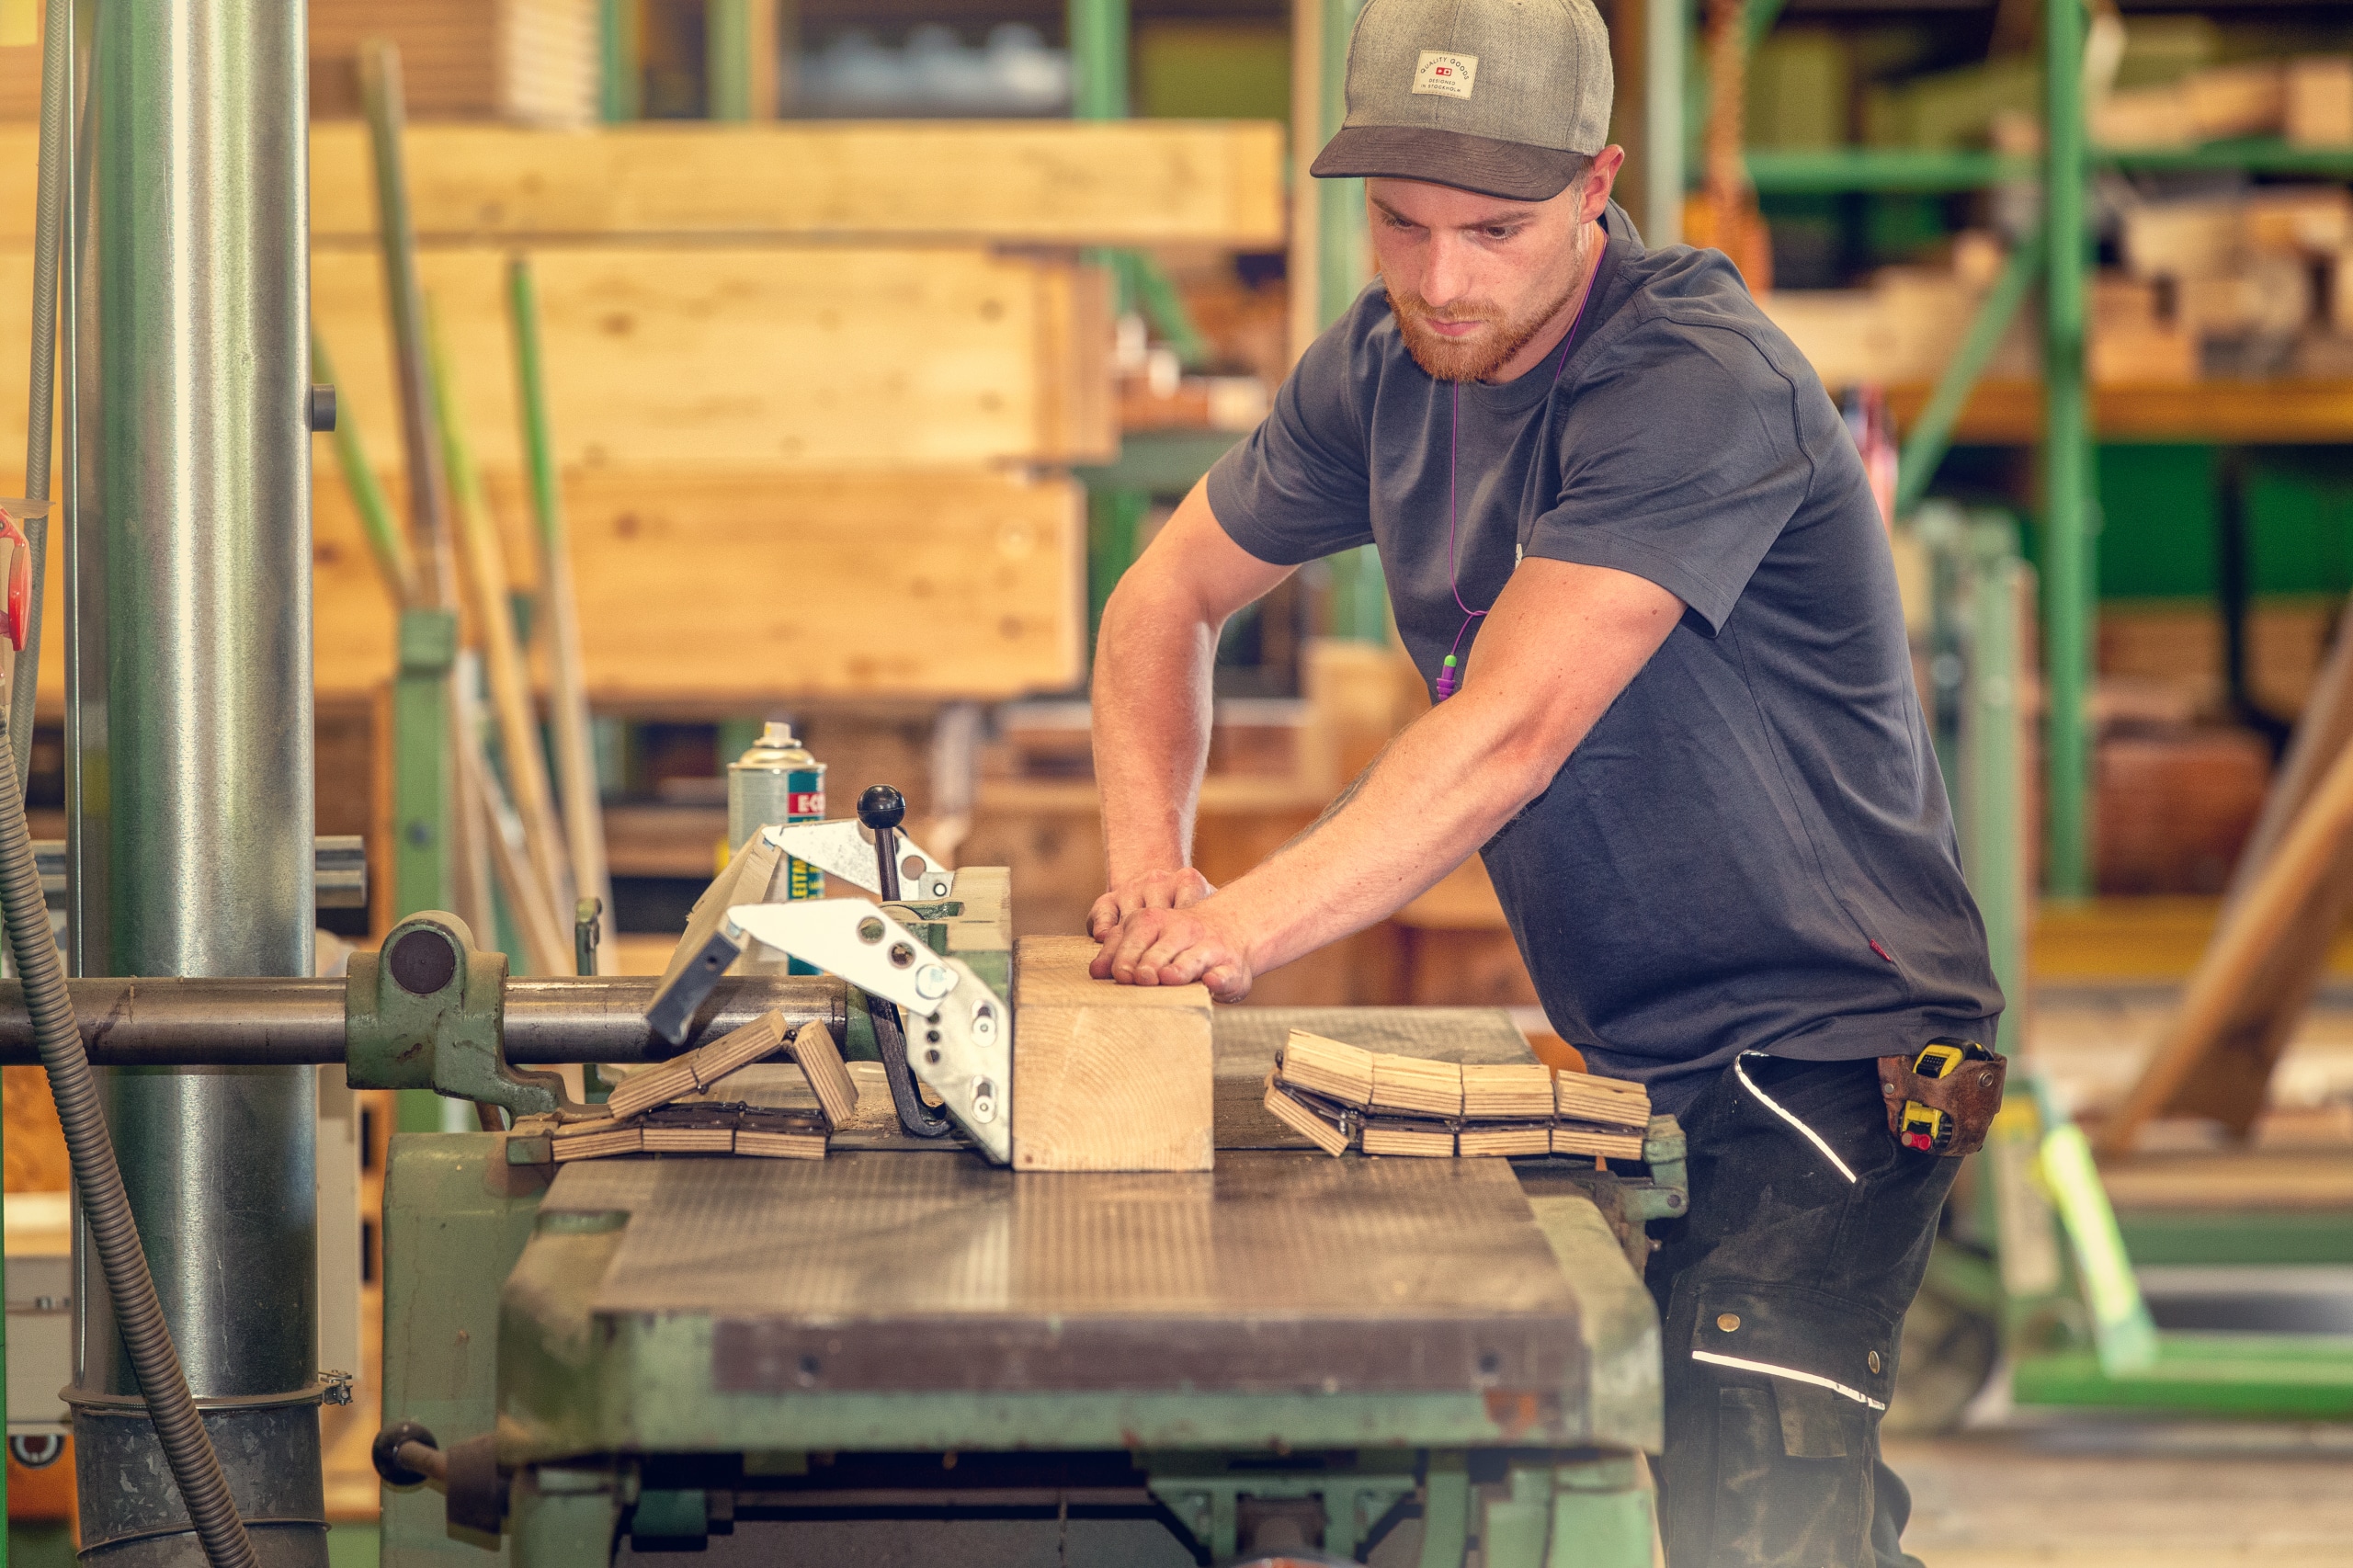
672,1329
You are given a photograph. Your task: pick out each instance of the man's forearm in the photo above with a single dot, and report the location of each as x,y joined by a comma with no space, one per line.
1151,730
1443,788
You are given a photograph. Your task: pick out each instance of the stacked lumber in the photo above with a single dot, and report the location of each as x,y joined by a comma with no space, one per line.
2306,99
1337,1094
767,346
672,1109
526,62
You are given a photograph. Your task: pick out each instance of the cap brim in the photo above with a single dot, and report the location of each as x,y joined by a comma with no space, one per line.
1512,170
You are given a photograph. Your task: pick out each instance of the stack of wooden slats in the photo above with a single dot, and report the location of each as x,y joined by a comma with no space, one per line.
798,374
1336,1095
673,1109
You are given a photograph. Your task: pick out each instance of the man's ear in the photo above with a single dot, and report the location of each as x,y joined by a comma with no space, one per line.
1600,180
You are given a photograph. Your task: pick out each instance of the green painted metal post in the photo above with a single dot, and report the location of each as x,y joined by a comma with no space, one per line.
2068,605
620,95
1992,773
1098,59
727,58
421,782
1925,448
1114,518
1343,262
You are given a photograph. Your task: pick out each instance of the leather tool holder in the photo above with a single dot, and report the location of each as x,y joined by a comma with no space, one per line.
1970,1093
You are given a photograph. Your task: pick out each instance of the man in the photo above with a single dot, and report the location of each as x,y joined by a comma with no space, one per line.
1616,508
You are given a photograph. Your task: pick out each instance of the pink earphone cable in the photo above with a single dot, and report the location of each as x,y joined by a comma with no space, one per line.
1450,678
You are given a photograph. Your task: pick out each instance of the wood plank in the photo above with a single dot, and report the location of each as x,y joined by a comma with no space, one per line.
2216,1062
1416,1085
821,1063
1021,182
1415,1139
1106,1078
1331,1067
1508,1092
792,359
993,562
1328,1136
2010,413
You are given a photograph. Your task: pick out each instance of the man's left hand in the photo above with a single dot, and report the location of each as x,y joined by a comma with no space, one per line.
1178,947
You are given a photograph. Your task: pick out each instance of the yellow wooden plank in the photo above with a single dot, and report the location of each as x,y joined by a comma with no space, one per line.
1033,182
810,358
1106,1078
701,590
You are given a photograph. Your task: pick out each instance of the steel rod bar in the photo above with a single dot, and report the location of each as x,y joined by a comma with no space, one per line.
295,1022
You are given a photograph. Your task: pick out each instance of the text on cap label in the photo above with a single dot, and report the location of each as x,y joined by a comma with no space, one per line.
1445,75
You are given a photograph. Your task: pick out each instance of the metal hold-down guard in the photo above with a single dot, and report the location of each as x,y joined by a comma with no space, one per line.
960,1033
843,848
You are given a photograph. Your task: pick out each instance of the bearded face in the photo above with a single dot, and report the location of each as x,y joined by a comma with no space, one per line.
1498,329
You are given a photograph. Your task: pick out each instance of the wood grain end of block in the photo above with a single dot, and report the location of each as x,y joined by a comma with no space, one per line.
1111,1088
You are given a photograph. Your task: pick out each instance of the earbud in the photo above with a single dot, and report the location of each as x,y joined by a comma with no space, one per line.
1448,681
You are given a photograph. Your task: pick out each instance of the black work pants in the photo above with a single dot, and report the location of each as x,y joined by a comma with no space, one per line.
1782,1294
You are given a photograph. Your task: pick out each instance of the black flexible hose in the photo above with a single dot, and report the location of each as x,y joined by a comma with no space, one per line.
187,1448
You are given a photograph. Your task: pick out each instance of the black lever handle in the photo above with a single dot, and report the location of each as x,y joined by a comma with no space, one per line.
883,809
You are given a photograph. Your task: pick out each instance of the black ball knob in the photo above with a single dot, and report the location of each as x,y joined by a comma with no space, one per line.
882,807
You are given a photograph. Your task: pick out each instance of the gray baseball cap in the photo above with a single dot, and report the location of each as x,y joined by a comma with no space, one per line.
1505,97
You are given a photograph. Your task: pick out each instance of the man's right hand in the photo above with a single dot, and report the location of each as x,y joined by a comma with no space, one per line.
1179,889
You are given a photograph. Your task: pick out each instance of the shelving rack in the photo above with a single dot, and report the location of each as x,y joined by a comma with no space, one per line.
2063,411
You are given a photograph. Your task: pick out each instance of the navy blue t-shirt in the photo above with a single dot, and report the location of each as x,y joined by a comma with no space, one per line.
1752,849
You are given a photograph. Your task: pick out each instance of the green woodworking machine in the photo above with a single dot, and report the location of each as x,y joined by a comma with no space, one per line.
907,1352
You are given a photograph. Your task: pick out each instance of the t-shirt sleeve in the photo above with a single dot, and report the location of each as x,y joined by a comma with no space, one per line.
1683,472
1299,487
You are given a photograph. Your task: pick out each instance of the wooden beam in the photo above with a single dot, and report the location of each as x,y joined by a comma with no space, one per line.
1106,1078
1013,182
2216,1062
744,358
723,591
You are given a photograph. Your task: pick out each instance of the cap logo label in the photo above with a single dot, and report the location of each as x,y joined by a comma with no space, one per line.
1446,74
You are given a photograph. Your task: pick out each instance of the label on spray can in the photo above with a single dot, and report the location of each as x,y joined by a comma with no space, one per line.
804,798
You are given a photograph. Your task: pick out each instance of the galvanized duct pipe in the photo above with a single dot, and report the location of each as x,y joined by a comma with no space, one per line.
204,802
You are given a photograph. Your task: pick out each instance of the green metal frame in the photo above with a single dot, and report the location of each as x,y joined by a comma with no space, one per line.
619,78
485,1304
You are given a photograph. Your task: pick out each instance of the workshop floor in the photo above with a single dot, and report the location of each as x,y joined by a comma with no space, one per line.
2073,1491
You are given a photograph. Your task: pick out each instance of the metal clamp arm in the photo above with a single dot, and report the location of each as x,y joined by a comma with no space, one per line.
959,1032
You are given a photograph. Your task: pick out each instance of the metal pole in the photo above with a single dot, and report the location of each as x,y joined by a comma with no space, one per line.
252,1022
1342,265
617,36
1665,45
2068,605
205,476
1098,59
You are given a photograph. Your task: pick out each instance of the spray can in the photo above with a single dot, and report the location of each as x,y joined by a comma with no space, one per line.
777,781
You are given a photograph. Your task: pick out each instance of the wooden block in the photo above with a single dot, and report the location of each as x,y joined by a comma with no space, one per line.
1582,1096
1301,1117
1412,1084
2319,101
2237,100
1511,1139
2183,239
1326,1066
535,62
2143,119
1416,1140
828,1076
596,1146
757,1041
802,1144
1106,1078
2299,220
1599,1142
651,1087
1510,1091
717,1138
669,356
1067,183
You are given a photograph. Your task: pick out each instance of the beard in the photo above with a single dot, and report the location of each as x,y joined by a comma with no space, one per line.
1479,356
